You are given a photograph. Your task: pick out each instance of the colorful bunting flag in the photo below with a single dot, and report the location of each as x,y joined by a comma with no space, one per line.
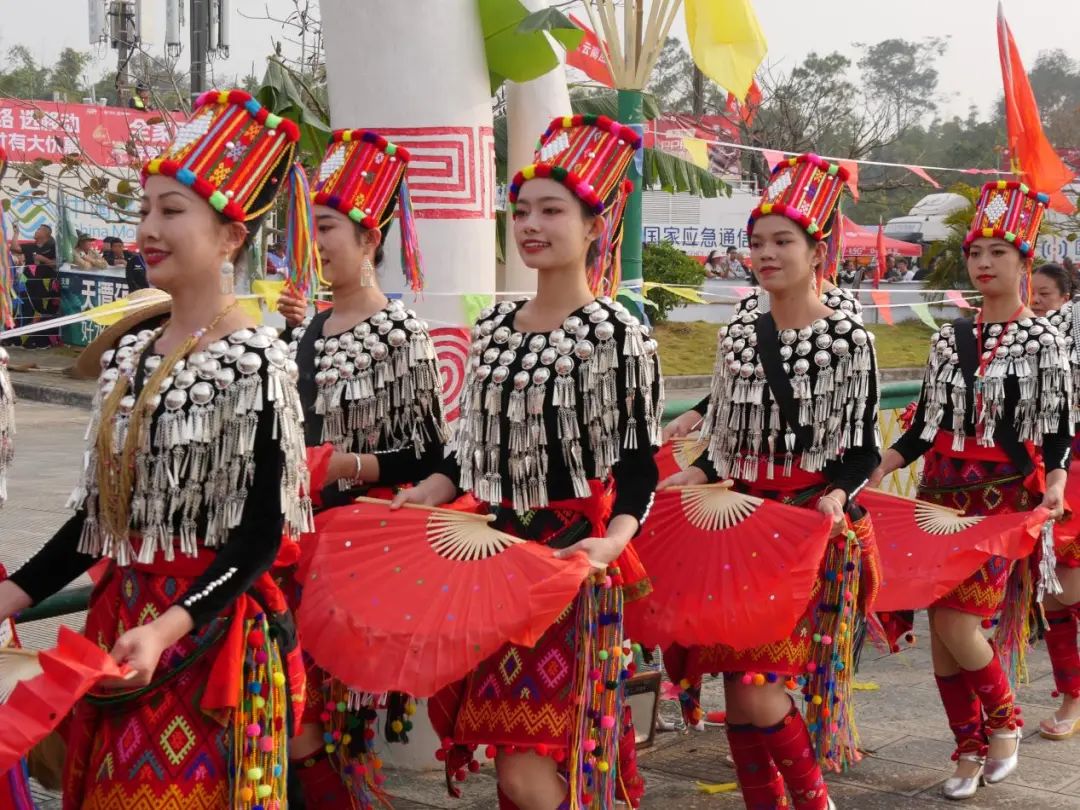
883,301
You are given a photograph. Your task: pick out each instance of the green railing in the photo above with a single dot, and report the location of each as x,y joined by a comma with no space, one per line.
894,396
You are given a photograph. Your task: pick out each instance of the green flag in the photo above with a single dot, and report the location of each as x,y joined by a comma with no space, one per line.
472,303
922,311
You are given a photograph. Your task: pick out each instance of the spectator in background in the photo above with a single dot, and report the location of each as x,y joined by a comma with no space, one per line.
848,272
42,252
40,300
714,265
922,273
905,271
733,267
114,253
276,263
141,99
135,273
1071,269
86,256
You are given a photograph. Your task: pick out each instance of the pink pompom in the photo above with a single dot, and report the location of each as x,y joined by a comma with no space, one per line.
254,730
607,721
266,745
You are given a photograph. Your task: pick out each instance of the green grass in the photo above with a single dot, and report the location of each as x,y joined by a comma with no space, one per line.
690,348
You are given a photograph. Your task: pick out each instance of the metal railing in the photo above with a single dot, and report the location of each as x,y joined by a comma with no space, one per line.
895,396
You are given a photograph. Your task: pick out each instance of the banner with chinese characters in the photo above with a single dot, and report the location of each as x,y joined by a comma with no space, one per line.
81,290
111,137
696,239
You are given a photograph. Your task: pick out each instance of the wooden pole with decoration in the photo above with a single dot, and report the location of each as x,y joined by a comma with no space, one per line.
632,61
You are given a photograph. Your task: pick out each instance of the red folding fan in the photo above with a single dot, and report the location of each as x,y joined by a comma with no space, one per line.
725,567
927,550
412,600
38,689
678,454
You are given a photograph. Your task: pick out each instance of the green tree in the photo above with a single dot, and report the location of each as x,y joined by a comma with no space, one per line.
66,76
665,264
22,76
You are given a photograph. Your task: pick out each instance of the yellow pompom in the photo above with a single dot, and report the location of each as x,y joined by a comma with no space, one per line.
254,774
528,173
568,121
766,208
397,726
223,97
258,702
346,739
816,700
602,766
279,679
410,709
263,791
346,136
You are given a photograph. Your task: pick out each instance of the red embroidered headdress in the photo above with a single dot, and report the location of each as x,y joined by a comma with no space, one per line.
363,176
805,189
1011,211
233,152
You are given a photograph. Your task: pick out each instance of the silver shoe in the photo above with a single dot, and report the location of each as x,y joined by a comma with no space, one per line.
964,787
998,770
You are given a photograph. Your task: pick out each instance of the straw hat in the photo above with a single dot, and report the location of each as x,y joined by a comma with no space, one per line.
153,304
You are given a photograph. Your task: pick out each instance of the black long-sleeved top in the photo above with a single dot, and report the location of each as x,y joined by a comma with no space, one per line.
1034,391
833,374
250,538
592,389
374,388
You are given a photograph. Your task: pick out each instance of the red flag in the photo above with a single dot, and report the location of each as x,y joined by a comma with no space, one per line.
919,171
853,177
1033,158
883,301
590,57
879,271
748,109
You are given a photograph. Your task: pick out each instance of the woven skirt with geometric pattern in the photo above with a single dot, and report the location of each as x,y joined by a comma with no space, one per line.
155,749
525,696
976,487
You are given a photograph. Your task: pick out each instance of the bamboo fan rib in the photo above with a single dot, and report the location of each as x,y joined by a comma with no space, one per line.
463,538
15,666
934,519
717,508
688,450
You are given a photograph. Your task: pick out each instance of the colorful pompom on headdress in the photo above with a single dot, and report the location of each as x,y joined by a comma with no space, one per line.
232,151
1011,211
363,176
3,162
590,155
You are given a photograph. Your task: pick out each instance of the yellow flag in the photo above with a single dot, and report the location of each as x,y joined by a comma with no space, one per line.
698,151
726,42
269,291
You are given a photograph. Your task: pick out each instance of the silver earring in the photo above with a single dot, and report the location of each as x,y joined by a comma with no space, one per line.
228,280
367,273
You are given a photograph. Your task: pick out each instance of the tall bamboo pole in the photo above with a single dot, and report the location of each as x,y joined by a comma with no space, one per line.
632,57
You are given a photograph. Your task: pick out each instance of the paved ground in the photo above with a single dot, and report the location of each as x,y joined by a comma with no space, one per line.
903,730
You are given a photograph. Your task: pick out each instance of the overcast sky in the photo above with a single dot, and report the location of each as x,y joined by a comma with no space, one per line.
969,72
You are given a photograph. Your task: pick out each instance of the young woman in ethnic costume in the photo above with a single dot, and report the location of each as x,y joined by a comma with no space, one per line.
370,386
792,416
563,403
995,394
14,785
195,467
675,657
1051,294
